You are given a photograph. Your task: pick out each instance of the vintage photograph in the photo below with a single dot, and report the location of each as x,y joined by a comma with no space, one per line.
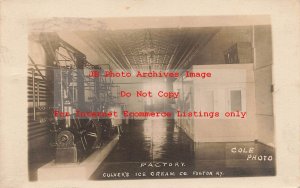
150,98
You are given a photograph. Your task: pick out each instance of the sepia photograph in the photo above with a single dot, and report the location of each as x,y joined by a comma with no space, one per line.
150,98
140,93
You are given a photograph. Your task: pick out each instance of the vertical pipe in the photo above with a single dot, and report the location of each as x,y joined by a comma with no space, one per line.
80,82
67,83
73,88
33,94
38,93
61,91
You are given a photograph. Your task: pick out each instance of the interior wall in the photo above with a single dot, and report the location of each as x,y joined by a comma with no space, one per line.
263,79
36,52
37,132
234,76
261,39
82,46
213,52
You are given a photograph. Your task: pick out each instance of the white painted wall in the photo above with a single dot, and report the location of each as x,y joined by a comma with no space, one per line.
261,38
223,78
263,82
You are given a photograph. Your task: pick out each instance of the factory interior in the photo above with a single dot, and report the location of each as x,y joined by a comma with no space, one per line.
66,75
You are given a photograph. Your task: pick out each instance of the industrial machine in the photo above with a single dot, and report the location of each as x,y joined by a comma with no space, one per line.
61,87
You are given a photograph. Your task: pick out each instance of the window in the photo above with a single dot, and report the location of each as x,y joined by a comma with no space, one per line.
236,100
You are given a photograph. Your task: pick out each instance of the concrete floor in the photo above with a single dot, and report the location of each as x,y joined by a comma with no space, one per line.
158,149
